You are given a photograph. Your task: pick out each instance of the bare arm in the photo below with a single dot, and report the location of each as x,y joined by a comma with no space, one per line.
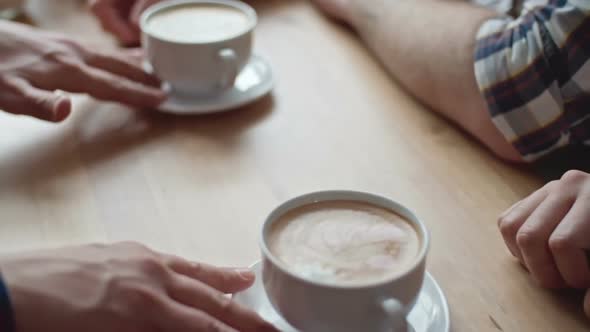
428,47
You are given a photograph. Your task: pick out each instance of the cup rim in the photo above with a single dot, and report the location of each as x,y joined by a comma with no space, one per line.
344,195
241,6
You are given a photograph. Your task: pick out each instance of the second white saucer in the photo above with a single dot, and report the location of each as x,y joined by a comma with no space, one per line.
254,82
431,313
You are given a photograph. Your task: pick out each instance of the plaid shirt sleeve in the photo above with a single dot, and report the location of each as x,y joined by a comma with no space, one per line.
534,74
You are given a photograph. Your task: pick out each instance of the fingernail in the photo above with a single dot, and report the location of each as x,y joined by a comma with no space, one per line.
246,274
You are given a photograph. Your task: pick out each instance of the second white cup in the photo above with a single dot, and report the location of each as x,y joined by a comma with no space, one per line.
198,67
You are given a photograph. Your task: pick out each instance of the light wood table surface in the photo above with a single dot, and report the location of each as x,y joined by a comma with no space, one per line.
201,186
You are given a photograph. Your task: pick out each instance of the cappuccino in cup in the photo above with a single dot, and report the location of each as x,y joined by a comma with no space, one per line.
344,242
343,261
198,23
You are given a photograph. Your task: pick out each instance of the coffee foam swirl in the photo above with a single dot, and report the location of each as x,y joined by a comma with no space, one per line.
198,23
344,242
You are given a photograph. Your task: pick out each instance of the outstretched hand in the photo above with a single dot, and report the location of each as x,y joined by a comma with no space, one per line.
549,233
124,287
35,64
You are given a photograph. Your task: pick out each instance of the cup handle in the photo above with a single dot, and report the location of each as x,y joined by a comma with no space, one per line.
396,313
230,60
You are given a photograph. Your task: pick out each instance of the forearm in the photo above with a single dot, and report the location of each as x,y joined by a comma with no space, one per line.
428,47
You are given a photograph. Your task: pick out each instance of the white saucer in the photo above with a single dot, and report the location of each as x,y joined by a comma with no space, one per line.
255,81
431,313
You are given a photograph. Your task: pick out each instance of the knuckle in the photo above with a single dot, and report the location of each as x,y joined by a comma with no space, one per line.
573,177
60,56
197,268
214,326
560,243
527,239
550,186
151,266
508,225
225,303
118,84
72,45
142,297
70,65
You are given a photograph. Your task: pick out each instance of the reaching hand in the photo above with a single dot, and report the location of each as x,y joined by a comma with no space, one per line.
121,17
549,232
124,287
35,64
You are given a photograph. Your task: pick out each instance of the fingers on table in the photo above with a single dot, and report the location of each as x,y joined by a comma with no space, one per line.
224,280
533,239
44,105
197,295
513,219
79,77
122,65
568,241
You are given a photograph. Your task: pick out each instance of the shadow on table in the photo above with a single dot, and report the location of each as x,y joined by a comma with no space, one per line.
99,134
571,302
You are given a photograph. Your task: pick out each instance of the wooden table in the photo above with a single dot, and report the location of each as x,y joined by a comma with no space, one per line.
201,186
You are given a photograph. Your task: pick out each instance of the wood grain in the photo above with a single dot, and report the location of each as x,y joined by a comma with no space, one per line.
201,186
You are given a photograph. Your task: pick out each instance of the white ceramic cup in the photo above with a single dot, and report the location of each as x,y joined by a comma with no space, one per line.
313,306
198,68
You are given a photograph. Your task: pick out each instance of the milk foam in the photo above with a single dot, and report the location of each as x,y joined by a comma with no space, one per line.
198,23
344,242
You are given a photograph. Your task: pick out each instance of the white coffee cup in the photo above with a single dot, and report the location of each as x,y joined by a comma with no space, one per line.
314,306
198,68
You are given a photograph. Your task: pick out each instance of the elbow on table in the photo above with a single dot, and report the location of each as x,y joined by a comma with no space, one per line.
480,125
497,143
506,152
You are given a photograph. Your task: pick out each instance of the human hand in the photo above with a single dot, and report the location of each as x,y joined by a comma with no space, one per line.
549,232
36,63
124,287
121,17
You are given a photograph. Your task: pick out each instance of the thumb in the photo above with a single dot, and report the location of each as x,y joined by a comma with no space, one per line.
112,21
226,280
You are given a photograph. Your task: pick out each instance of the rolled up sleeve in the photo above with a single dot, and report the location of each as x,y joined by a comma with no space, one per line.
534,74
